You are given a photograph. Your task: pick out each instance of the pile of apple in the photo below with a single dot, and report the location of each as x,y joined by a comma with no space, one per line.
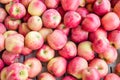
77,39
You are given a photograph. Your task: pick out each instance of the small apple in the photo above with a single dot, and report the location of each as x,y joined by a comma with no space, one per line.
112,76
52,3
2,28
68,78
3,14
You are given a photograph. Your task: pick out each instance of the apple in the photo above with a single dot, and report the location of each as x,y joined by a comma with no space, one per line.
2,42
90,74
46,76
36,8
26,51
70,5
8,6
12,23
23,29
1,64
78,34
3,73
57,66
2,28
91,22
34,66
112,19
5,1
17,71
14,43
34,23
117,69
68,78
85,50
52,3
75,67
17,11
3,14
112,76
69,50
72,19
57,39
100,7
100,65
34,40
116,8
45,53
10,58
51,18
25,2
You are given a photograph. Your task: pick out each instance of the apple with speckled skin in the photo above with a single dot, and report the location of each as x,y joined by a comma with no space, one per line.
3,14
112,76
69,78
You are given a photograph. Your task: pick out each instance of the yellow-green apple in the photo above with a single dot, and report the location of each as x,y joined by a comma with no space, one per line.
117,69
36,8
100,65
34,66
69,78
3,74
26,51
45,32
17,11
26,17
2,42
91,22
34,40
51,18
2,28
45,53
72,19
23,29
12,23
69,50
60,10
34,23
78,34
1,64
75,67
17,71
57,66
57,39
85,50
90,1
82,11
117,8
3,14
52,3
112,76
113,38
46,76
14,43
10,58
25,2
100,8
90,74
112,19
70,5
5,1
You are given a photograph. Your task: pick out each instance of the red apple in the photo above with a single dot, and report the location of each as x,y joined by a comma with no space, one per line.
2,28
3,74
117,8
51,18
3,14
68,78
112,76
2,42
1,64
75,67
117,69
52,3
8,6
57,66
34,67
26,51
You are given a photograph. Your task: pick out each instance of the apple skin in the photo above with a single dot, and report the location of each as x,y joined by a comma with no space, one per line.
70,5
83,12
25,2
17,71
26,17
34,23
68,78
90,1
5,1
60,10
8,6
3,73
23,29
34,40
1,64
100,65
34,66
112,19
90,74
3,14
55,37
57,66
75,67
46,76
116,8
17,11
85,50
2,42
36,8
117,69
112,76
72,19
52,3
113,38
69,50
2,28
100,8
10,58
26,51
91,22
78,34
12,23
51,18
14,43
45,53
